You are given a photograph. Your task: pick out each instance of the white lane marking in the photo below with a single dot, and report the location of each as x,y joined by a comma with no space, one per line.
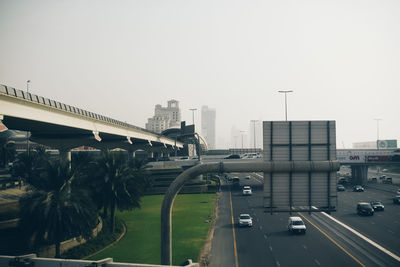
265,236
396,257
278,264
305,247
390,231
396,222
260,227
270,248
259,180
372,223
317,262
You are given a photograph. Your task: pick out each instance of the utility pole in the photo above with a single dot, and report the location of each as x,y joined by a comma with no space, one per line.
242,137
27,132
285,92
254,132
377,132
193,110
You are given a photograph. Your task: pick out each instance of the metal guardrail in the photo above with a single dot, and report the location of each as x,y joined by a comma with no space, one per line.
10,91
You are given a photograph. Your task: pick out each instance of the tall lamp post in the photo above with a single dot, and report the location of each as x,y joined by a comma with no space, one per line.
254,132
27,132
193,110
242,137
377,132
285,92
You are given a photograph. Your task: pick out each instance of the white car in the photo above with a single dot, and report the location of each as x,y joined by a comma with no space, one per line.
296,225
245,220
247,190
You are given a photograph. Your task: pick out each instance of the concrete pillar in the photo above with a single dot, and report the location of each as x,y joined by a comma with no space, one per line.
131,154
359,174
65,156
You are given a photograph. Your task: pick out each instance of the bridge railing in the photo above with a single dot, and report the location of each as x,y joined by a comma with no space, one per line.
61,106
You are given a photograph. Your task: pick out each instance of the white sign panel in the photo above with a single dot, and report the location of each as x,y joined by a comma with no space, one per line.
299,141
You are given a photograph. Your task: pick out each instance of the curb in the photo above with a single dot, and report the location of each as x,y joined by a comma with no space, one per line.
109,245
204,256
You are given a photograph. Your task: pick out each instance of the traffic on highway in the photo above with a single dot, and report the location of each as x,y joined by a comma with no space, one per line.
343,238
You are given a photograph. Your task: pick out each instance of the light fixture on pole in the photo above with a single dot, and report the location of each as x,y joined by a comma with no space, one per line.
285,92
193,110
27,85
377,132
254,132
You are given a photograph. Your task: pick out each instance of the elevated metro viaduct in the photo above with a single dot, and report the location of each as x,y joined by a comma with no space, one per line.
64,127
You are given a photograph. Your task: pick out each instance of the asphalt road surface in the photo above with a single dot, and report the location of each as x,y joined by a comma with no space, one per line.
340,239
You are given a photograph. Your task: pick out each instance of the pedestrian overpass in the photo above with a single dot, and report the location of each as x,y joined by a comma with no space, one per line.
360,159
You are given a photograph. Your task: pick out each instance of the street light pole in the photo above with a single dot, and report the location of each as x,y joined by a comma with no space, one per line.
377,132
254,132
242,137
193,110
27,133
285,92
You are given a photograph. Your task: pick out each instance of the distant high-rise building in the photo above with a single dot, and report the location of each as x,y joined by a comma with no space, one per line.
165,117
208,125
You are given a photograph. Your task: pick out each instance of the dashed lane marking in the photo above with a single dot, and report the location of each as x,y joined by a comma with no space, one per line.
332,240
233,232
317,262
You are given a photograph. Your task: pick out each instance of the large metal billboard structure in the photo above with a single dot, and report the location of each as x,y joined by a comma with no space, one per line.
299,141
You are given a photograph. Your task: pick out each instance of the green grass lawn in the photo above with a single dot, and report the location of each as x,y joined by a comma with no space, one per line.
191,220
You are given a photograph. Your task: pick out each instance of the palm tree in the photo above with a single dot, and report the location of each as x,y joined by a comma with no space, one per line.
55,208
7,152
120,185
28,165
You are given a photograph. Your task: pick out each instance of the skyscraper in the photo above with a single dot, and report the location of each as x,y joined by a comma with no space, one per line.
165,117
208,125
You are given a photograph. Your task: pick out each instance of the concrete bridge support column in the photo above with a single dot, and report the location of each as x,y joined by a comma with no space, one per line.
359,174
65,156
131,154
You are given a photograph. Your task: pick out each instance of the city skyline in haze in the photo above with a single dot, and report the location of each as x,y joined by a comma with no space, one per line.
120,59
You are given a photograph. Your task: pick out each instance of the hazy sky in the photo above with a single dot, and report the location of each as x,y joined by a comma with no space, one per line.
121,58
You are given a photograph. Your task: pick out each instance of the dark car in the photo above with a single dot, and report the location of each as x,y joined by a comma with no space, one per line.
396,200
341,188
233,157
358,188
388,181
364,208
377,205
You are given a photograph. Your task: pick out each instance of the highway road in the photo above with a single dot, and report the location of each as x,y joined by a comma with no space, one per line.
340,239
